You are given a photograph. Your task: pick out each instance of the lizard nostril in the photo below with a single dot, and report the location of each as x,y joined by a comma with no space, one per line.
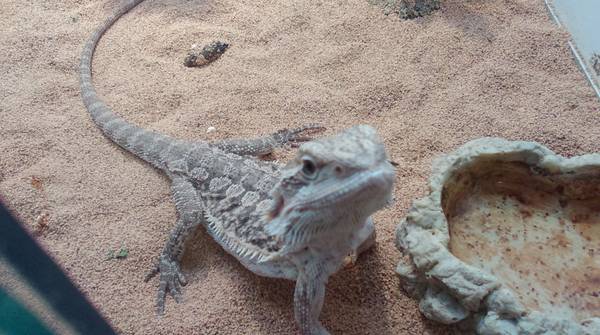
338,170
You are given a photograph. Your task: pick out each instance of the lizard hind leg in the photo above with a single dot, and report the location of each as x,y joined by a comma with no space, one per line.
171,278
367,236
265,145
364,241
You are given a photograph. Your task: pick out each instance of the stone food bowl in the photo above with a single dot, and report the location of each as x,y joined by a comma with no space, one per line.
507,241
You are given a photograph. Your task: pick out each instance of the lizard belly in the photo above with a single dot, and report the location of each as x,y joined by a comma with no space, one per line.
272,269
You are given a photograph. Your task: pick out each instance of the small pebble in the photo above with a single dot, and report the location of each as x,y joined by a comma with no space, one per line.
211,130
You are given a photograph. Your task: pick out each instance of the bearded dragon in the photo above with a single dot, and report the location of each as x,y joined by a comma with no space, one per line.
299,221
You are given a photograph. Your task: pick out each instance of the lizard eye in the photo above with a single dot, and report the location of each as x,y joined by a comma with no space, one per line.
309,167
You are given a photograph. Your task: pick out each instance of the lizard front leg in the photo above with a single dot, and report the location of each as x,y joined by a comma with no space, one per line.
265,145
189,208
308,299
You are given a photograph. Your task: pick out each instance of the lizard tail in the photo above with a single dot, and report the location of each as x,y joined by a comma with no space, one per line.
147,145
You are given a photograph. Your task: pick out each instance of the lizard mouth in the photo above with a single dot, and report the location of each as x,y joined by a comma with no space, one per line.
367,186
298,220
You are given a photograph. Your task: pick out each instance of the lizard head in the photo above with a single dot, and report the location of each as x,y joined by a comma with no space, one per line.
331,187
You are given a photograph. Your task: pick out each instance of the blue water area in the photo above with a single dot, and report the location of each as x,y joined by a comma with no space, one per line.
582,19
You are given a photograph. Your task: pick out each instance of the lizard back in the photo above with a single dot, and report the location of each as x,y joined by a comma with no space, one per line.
235,191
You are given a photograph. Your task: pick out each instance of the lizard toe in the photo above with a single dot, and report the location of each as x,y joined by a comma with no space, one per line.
155,270
171,280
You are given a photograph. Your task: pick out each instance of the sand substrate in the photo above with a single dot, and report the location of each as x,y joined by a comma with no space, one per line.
475,68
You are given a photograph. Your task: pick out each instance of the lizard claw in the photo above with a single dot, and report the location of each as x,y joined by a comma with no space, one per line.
171,280
350,261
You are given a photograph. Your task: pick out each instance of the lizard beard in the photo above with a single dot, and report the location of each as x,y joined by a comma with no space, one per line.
341,209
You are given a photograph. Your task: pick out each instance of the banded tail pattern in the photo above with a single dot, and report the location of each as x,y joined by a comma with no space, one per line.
147,145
